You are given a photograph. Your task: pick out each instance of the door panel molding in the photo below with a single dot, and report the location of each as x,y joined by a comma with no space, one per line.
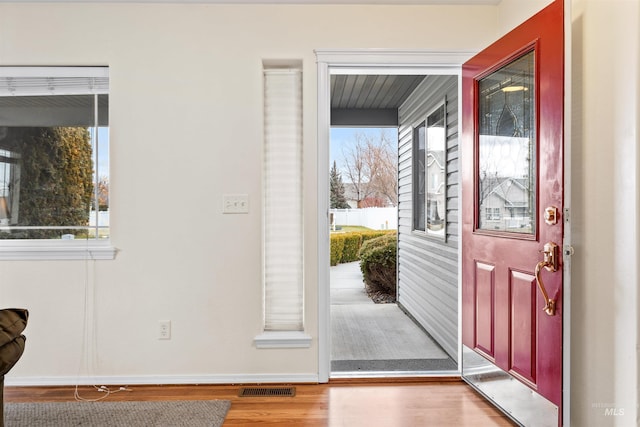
485,285
523,345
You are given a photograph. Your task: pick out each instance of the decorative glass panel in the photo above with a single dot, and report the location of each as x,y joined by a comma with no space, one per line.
507,148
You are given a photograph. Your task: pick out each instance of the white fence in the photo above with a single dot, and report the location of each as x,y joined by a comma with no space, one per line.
374,218
103,218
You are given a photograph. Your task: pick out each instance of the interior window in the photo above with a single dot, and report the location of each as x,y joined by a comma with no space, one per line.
54,153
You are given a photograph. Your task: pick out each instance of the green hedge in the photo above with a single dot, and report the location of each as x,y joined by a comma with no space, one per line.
345,247
337,247
352,242
378,263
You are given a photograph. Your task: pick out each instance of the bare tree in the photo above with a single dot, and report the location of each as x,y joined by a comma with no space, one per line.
103,193
385,158
357,172
371,168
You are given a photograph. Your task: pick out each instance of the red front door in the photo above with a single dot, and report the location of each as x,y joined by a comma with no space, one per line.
512,136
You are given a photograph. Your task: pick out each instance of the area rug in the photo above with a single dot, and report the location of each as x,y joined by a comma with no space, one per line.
192,413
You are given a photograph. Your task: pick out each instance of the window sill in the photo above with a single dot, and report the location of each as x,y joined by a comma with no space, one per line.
49,250
282,339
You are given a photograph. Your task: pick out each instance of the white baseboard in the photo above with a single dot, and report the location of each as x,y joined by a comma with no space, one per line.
162,380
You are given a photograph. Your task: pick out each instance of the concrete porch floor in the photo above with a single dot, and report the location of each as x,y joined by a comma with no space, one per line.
369,338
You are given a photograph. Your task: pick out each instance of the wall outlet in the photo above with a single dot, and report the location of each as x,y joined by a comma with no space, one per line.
235,203
164,329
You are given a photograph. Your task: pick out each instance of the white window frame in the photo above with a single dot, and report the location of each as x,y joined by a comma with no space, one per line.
54,249
416,174
428,178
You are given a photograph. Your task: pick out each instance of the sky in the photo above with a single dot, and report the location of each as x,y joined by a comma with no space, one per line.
342,138
103,151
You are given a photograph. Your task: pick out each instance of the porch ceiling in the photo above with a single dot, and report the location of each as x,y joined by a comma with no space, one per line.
369,100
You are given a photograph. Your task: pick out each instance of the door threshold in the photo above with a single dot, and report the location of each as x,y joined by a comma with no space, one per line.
395,375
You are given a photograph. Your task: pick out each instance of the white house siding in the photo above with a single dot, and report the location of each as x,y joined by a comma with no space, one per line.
427,266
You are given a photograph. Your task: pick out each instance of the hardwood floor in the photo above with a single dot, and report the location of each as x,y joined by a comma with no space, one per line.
348,403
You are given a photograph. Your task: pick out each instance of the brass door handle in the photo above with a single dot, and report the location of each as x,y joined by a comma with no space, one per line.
549,263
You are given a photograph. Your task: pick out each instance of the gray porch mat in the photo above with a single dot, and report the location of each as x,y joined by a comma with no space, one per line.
393,365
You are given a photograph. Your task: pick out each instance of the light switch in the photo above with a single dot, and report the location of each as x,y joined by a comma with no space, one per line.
235,203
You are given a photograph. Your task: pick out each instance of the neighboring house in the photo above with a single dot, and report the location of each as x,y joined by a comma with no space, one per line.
505,204
371,200
351,194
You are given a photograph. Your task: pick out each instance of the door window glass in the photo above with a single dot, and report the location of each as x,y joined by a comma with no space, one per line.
507,148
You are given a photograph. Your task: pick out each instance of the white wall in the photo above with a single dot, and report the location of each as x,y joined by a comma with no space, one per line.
512,12
605,183
186,119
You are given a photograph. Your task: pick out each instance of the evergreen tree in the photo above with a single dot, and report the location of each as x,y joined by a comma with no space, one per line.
56,184
338,199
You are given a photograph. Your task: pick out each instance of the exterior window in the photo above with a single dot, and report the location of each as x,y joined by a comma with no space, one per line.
54,154
429,174
436,144
492,214
419,175
9,173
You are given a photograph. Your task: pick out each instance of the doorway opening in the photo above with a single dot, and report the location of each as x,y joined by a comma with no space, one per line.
413,329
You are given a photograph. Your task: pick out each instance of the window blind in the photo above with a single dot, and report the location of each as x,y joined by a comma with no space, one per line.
41,81
283,237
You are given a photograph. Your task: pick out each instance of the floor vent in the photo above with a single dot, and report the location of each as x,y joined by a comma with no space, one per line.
267,392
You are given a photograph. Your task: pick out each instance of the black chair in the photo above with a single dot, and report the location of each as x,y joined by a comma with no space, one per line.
12,323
